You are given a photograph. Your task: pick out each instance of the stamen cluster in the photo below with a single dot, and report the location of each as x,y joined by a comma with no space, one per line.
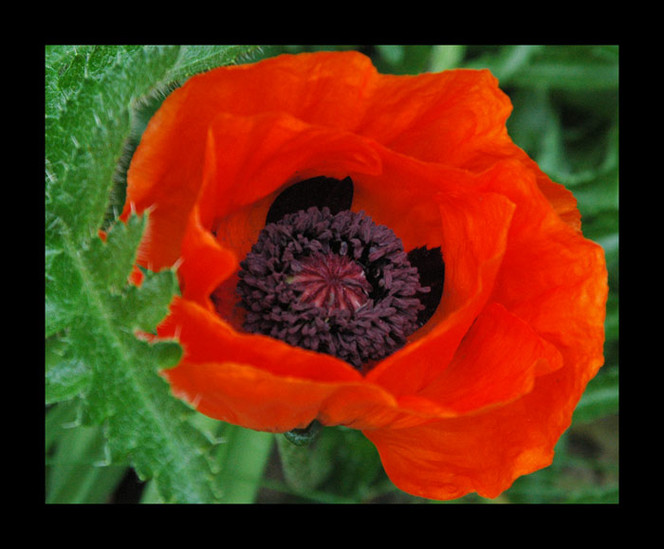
333,283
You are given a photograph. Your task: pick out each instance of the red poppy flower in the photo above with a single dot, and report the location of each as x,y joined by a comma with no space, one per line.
299,194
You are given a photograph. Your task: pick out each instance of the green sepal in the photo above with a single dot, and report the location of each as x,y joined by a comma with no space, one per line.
304,437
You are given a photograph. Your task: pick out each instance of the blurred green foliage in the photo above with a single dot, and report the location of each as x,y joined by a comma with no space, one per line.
565,117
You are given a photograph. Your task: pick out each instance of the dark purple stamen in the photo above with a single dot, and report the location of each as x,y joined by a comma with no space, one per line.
333,283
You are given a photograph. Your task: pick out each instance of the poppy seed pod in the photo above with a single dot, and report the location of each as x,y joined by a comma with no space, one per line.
448,305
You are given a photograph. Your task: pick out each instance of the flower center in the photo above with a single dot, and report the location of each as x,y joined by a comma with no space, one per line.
333,283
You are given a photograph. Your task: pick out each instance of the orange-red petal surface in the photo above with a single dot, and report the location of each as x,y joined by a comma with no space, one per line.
473,236
497,362
218,358
483,391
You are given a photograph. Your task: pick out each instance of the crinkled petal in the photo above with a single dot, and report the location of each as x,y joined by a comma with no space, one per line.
551,276
263,383
497,362
204,263
473,237
270,152
266,384
444,117
455,117
208,338
483,453
553,283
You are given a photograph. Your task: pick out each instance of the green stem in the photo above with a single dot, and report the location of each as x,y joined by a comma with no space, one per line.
300,451
77,471
242,459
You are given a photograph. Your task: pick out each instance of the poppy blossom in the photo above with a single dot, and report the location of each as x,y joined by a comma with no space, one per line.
371,251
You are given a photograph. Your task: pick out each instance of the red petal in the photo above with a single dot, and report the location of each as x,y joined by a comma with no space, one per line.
446,117
554,281
551,277
480,453
497,362
482,393
473,237
265,384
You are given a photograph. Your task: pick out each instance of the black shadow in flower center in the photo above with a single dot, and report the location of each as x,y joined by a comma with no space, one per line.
321,192
431,268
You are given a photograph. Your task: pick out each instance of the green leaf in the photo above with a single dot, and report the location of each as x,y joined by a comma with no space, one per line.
94,317
446,57
535,126
116,373
601,397
505,62
91,92
240,459
573,68
570,75
398,59
66,375
596,494
195,59
77,471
